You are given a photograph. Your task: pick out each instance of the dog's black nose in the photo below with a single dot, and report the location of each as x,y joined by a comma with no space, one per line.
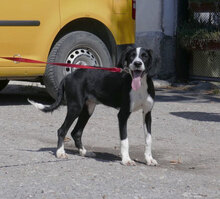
137,64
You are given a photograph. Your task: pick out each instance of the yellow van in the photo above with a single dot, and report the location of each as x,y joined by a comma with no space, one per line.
88,32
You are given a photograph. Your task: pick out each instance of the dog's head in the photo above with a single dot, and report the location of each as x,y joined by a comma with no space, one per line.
137,61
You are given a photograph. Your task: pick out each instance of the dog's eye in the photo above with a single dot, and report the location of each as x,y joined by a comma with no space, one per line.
132,56
144,55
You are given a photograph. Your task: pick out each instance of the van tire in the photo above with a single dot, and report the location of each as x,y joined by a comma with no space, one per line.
76,47
3,84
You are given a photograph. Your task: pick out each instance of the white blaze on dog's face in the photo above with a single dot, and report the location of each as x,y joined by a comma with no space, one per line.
138,61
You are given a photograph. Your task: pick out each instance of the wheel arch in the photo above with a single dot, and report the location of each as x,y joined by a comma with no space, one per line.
93,26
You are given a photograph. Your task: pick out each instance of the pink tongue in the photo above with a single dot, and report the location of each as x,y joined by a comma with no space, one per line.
136,83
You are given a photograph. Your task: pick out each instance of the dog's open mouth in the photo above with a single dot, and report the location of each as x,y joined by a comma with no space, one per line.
136,79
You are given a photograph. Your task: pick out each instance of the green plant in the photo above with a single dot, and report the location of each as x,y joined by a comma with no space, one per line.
204,5
196,34
203,1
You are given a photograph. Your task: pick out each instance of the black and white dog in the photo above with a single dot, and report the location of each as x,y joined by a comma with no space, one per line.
127,91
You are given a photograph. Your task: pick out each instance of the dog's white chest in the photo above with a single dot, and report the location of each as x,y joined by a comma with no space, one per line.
140,99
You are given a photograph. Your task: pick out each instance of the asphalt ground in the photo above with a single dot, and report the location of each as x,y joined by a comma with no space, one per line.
186,144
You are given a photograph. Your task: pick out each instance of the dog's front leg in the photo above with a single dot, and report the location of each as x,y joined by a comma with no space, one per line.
148,140
122,118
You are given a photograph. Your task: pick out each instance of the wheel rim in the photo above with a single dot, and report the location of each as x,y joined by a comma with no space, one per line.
82,56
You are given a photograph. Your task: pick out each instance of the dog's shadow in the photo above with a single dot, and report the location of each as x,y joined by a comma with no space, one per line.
17,95
96,154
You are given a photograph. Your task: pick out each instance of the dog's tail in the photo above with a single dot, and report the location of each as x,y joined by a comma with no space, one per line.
55,105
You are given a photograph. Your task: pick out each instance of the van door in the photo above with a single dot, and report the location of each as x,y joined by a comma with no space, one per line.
24,28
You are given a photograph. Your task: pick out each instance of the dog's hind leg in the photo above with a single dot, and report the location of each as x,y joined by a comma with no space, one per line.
148,140
80,125
62,131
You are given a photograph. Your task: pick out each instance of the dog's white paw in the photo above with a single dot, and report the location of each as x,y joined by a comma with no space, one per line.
150,161
128,162
82,152
61,155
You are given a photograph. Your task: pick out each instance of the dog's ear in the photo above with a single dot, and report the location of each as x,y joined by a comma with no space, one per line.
149,63
150,53
122,61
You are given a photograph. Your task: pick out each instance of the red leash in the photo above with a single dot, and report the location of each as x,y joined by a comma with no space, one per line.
17,59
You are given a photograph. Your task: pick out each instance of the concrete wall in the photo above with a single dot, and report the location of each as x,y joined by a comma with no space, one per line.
148,15
156,29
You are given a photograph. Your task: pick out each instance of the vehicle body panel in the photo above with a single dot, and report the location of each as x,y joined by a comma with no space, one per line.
35,41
